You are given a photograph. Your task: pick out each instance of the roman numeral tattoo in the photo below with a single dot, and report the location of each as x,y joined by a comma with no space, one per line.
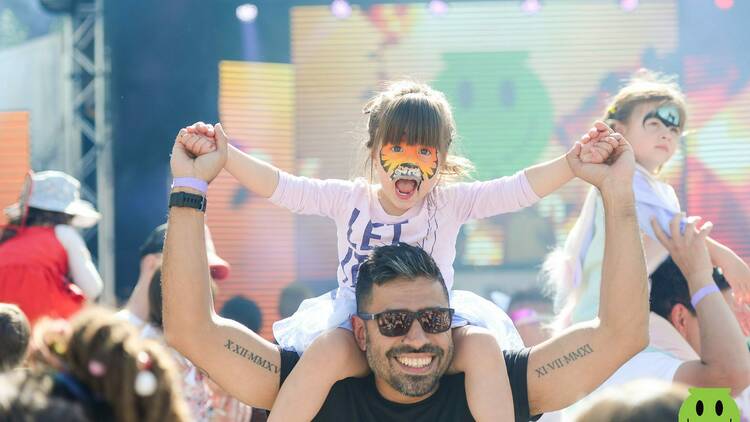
252,357
564,360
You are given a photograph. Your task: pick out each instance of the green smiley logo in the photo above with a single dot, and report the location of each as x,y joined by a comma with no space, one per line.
709,405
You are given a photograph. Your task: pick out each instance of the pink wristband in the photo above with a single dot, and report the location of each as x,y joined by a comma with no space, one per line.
190,182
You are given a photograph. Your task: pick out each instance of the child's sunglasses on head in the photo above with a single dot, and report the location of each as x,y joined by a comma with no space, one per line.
397,322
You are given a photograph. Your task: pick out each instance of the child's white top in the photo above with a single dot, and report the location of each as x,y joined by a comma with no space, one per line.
362,224
653,199
82,270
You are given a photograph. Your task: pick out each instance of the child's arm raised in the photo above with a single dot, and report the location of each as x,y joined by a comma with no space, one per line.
478,355
596,146
735,269
526,187
258,176
330,358
300,195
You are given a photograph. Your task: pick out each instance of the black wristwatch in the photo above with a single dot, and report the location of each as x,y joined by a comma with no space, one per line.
188,200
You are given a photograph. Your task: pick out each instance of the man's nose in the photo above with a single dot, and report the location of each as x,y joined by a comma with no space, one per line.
416,337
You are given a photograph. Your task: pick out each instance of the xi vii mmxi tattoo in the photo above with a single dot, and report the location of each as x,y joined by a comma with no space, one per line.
564,360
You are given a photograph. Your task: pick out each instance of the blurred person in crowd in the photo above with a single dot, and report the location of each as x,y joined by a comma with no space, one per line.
35,396
695,338
195,388
45,267
206,400
291,297
101,362
227,408
136,309
243,310
531,311
637,401
14,336
674,319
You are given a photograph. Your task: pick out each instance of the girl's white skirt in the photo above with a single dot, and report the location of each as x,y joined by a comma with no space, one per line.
336,308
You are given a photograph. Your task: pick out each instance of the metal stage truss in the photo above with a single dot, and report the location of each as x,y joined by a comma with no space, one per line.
88,149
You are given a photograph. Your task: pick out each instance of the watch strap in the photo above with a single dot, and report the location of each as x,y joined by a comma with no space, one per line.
187,200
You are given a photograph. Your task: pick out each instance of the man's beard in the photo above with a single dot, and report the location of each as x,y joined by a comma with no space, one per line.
408,384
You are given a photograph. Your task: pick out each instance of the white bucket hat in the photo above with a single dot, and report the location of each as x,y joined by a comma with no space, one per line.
55,191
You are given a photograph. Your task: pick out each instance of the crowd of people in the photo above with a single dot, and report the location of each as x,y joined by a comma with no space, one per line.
646,303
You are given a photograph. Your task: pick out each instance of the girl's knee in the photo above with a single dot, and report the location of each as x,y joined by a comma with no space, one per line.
471,339
335,345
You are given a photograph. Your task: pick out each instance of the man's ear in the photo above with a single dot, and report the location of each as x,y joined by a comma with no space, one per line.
358,327
678,318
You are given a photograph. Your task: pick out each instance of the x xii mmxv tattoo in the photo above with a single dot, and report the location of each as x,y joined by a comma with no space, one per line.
252,357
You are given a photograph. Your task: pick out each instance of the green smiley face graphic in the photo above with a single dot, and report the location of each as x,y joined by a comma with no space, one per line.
709,405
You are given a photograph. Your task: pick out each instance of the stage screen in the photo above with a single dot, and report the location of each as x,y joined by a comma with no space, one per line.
523,88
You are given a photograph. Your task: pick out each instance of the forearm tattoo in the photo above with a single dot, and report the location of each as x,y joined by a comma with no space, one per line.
252,357
564,360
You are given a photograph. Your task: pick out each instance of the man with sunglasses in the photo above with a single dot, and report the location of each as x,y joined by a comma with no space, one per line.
403,317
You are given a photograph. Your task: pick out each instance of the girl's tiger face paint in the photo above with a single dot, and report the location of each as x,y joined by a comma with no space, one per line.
407,173
414,162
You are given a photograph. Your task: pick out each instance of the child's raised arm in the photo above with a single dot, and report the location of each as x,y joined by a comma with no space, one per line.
596,147
734,268
511,193
258,176
301,195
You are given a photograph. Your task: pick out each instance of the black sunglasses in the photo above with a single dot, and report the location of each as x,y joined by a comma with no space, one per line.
397,322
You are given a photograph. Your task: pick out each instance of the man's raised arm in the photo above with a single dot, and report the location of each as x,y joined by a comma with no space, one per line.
572,364
724,360
240,361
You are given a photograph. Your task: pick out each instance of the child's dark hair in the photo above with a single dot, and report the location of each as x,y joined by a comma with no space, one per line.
34,217
15,332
